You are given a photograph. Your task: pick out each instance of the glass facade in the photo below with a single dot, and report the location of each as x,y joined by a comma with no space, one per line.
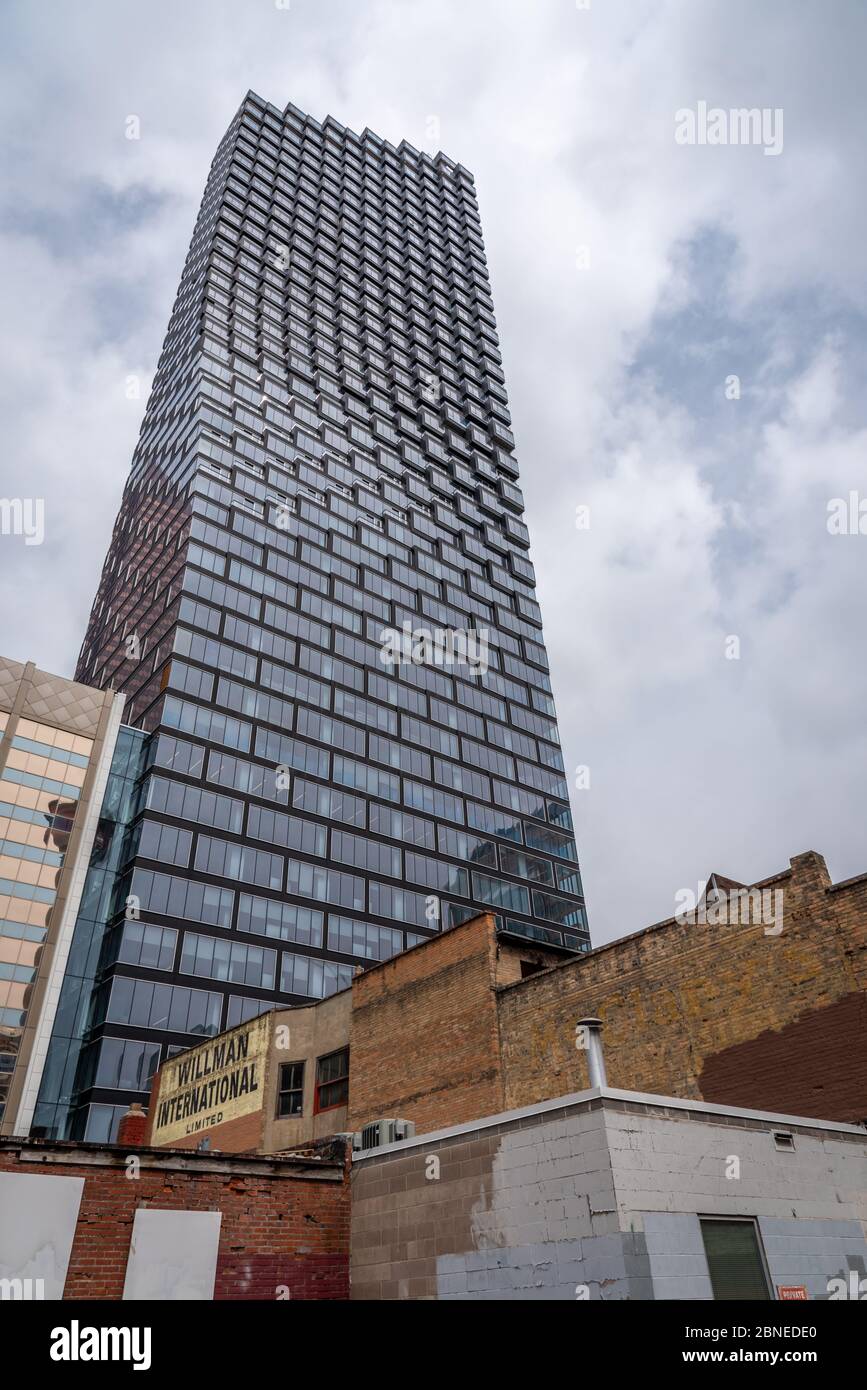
74,1064
319,601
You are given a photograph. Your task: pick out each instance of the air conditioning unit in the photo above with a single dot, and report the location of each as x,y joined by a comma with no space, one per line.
380,1132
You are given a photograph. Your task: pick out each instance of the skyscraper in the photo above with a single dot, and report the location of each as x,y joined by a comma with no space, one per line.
319,604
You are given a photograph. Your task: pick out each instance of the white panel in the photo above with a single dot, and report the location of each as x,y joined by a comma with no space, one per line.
172,1255
38,1215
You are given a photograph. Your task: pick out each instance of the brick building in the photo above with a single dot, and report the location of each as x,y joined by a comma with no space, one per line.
744,1015
764,1015
268,1085
522,1180
768,1015
428,1024
88,1221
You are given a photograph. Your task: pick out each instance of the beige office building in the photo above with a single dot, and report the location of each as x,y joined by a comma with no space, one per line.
56,741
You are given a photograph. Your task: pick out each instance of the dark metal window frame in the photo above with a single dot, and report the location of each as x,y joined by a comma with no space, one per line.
290,1090
326,1085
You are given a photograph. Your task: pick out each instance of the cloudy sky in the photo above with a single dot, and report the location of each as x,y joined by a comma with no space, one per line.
635,277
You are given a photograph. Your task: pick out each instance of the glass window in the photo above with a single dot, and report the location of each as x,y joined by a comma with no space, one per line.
206,723
241,1009
177,754
402,906
166,843
398,825
103,1122
291,752
559,910
569,880
178,897
288,831
195,803
126,1065
500,894
365,854
434,873
360,777
239,862
325,885
143,944
290,1089
463,846
228,960
332,1080
354,938
442,805
329,802
514,861
228,771
494,822
312,977
146,1005
286,921
540,837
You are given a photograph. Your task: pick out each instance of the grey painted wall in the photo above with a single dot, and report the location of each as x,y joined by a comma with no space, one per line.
811,1204
603,1201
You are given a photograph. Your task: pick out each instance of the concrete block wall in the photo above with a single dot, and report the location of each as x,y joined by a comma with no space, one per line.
601,1198
810,1204
813,1252
512,1210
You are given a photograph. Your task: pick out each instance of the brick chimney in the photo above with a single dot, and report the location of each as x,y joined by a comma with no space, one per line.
131,1130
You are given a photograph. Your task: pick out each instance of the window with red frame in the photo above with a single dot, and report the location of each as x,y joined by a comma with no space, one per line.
332,1080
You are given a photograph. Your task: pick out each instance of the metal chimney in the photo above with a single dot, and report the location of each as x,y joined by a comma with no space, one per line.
595,1056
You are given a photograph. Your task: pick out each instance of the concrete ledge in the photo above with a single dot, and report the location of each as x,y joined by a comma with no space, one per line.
595,1099
63,1153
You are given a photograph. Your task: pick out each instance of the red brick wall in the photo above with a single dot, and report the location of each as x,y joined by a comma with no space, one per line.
278,1229
424,1041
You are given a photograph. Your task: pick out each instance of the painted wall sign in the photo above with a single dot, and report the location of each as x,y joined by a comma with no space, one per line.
212,1083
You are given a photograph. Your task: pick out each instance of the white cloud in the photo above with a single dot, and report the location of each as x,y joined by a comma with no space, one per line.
707,519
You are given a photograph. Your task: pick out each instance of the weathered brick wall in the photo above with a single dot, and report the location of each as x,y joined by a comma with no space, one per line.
282,1226
720,1013
424,1033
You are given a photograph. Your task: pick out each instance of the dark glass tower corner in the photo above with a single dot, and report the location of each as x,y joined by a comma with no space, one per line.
325,469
